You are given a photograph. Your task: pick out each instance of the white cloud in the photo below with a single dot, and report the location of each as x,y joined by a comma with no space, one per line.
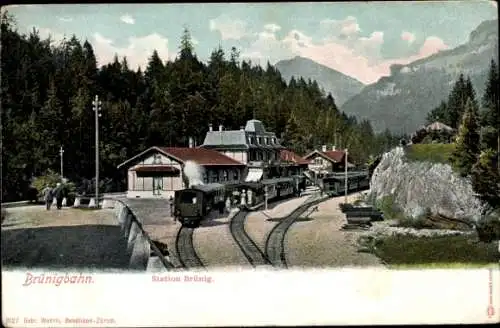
65,19
343,50
408,37
272,27
137,51
228,28
127,19
344,28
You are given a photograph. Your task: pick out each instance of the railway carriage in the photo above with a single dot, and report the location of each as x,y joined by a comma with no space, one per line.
335,184
285,187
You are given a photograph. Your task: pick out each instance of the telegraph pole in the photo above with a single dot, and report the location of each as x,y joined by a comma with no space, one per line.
61,152
97,107
346,152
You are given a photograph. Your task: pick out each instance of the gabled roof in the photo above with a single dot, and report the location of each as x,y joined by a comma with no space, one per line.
289,156
335,156
438,126
201,156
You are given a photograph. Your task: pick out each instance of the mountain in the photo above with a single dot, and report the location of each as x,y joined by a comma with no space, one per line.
401,101
342,87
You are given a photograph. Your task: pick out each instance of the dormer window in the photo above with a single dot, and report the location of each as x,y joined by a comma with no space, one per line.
157,159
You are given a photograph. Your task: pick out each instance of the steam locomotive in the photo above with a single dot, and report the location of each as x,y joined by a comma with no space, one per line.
193,204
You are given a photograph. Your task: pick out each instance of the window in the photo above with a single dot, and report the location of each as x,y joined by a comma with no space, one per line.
252,140
205,178
213,176
157,159
235,175
318,161
225,176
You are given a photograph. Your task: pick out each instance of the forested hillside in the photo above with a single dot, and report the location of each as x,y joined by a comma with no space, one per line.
48,88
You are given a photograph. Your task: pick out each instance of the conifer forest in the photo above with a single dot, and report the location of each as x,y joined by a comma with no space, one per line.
48,89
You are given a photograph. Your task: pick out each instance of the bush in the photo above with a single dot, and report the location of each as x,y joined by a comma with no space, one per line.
50,178
389,208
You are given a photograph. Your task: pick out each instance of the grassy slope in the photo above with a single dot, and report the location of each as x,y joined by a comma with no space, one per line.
434,153
439,251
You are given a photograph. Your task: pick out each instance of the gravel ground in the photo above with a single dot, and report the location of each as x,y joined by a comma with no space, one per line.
214,244
319,242
67,238
258,224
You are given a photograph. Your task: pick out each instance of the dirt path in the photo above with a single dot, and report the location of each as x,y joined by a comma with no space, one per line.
319,242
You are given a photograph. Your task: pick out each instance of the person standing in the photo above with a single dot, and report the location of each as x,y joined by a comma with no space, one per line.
48,196
59,194
171,205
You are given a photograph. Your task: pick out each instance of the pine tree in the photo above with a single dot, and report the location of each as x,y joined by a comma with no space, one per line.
491,110
438,114
456,103
467,141
486,179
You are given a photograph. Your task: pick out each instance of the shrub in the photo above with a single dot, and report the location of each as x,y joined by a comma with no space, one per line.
50,178
389,208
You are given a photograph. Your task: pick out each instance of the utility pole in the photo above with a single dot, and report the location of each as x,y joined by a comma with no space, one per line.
346,152
97,107
61,152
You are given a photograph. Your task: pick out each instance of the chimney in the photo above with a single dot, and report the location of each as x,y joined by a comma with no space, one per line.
323,148
191,142
210,127
221,127
334,148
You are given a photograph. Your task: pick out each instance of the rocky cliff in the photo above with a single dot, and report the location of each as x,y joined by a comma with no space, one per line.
417,186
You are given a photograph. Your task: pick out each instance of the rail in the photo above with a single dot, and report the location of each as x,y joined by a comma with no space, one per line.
186,254
275,242
251,251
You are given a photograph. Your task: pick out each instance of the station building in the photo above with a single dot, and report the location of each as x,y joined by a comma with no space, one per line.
327,161
157,171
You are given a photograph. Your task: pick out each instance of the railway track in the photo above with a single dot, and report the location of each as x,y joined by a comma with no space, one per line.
184,248
275,242
251,251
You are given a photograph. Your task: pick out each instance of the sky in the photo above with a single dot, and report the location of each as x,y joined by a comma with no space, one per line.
359,39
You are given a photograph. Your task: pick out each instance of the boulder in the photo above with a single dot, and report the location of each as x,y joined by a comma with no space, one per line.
418,186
